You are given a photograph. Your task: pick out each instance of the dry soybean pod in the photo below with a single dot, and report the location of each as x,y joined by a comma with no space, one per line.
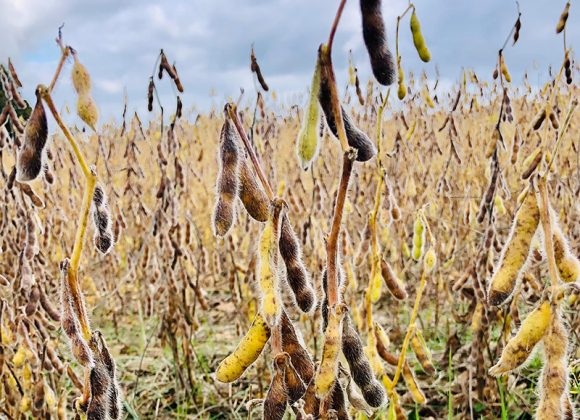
297,276
360,367
519,348
299,356
255,67
375,39
29,157
327,371
422,352
228,180
271,302
563,18
516,250
554,380
411,381
250,347
394,284
294,383
252,194
567,263
277,396
356,138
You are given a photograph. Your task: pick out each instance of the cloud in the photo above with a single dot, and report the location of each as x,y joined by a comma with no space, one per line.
210,40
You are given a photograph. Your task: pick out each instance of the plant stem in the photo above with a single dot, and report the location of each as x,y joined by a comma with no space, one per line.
45,93
410,329
91,181
335,25
328,71
63,57
332,245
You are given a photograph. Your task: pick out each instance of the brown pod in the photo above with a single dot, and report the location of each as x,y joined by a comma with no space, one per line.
298,355
311,401
356,138
70,323
13,73
563,18
33,299
394,284
360,367
228,180
297,276
255,67
100,383
532,165
150,91
39,396
277,396
29,160
294,383
113,394
338,403
252,194
375,39
539,119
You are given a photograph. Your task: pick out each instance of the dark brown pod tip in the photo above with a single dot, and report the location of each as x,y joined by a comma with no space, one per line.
356,138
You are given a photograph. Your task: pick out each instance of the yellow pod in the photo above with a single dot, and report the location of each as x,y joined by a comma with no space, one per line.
248,350
406,251
19,357
270,304
519,348
402,90
504,71
87,110
309,133
375,285
422,352
25,404
568,265
430,260
326,374
80,77
416,392
418,237
516,250
499,206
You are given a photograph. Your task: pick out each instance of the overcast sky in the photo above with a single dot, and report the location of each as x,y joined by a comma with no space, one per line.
210,40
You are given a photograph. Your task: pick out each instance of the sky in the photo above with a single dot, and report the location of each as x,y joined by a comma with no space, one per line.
210,41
